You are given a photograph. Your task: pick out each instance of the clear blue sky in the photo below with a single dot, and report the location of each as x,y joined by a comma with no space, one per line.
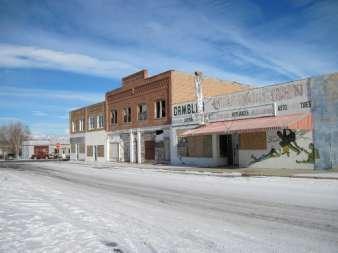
59,55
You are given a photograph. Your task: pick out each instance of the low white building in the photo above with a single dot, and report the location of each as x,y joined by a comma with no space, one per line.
266,127
52,145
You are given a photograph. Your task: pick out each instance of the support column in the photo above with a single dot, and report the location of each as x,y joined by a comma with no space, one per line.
215,147
131,146
107,148
173,146
139,148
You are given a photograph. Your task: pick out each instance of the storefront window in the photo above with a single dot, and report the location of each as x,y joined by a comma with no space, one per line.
195,146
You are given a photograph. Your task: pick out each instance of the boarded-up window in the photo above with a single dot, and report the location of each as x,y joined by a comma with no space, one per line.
199,146
89,150
100,150
256,140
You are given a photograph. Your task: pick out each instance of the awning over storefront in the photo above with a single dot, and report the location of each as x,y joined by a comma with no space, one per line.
294,121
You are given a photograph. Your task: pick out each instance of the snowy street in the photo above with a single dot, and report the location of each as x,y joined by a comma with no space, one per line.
65,207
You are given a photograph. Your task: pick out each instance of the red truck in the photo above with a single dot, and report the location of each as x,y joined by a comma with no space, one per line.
40,152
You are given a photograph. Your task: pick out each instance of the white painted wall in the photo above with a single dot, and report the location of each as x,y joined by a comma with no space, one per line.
96,138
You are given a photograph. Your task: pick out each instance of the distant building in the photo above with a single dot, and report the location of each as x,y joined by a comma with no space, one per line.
45,145
4,151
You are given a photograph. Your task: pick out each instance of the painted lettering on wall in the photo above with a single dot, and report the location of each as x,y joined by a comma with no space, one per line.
264,95
240,114
306,104
283,107
185,109
249,112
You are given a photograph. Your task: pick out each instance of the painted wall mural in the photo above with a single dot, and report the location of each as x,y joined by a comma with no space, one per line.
285,149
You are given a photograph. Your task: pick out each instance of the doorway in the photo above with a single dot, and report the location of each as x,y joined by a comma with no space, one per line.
226,148
149,147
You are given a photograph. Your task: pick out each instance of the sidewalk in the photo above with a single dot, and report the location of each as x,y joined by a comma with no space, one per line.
220,172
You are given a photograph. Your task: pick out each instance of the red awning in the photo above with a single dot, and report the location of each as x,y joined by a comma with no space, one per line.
294,121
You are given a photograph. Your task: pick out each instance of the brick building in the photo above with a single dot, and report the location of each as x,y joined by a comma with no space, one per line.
139,125
87,132
139,117
78,127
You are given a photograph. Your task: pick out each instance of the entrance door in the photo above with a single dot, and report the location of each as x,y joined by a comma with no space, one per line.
226,149
114,152
149,147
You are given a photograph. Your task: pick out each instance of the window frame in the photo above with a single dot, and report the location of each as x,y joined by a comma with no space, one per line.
126,113
91,122
73,127
161,110
98,119
113,112
81,125
140,113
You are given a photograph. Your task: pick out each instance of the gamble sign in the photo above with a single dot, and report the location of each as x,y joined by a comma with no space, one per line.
186,113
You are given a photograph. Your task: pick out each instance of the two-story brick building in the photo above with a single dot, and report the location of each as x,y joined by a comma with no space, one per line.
139,125
77,130
87,133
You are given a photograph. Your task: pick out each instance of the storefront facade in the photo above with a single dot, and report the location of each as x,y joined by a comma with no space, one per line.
95,136
77,130
138,116
267,127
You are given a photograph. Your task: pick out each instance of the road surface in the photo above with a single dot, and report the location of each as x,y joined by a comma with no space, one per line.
65,207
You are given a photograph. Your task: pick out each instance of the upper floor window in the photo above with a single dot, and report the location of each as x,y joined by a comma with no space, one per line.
100,121
142,112
127,114
73,127
81,125
91,122
160,109
114,116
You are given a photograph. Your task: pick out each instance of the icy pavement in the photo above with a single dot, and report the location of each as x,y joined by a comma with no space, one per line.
60,207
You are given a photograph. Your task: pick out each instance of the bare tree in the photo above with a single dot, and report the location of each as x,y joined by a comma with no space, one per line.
14,134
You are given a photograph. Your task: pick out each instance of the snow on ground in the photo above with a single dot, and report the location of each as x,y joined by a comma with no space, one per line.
61,207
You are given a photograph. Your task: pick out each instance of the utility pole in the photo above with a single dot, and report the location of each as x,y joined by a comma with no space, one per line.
199,95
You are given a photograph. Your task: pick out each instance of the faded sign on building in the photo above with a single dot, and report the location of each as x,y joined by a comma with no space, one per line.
185,113
288,98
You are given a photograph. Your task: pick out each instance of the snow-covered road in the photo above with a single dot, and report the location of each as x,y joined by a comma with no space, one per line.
63,207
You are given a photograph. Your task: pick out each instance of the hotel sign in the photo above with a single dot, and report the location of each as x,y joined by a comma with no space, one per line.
242,113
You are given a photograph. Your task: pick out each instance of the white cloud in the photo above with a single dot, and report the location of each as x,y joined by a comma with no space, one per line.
231,39
15,56
8,119
89,97
39,113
